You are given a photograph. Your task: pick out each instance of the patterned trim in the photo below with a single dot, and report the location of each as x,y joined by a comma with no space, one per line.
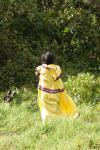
50,90
59,76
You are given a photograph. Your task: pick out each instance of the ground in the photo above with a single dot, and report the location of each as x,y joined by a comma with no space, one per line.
21,128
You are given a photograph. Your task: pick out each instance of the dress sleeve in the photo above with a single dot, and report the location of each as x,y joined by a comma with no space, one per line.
58,72
38,70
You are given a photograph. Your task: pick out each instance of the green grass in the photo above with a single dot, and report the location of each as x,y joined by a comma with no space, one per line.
21,128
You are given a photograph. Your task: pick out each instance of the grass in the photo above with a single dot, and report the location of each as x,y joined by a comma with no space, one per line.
21,129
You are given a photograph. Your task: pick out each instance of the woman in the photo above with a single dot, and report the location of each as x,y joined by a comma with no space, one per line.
52,96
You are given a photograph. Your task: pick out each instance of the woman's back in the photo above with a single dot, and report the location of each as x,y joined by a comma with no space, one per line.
50,76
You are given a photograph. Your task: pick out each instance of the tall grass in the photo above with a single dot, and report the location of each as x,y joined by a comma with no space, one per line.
21,127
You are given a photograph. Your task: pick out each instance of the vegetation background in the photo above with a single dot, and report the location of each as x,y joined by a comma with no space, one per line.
71,30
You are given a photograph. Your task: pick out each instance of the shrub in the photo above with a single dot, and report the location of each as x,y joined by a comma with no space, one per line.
83,88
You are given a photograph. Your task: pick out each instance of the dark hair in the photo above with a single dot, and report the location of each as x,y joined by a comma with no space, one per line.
48,58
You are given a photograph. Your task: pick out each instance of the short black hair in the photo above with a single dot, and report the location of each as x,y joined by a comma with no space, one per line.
48,58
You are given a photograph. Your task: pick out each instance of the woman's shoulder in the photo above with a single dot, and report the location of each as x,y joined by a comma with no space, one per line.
54,66
51,66
41,68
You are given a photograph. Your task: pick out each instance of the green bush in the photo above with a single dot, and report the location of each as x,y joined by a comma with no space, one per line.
83,88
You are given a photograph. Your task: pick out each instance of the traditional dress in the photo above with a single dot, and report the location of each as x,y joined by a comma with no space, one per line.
52,96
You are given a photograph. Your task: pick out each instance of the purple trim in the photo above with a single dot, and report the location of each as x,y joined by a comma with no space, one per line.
59,76
61,90
50,90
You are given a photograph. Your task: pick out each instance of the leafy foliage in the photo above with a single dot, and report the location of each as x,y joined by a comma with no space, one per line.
69,28
84,88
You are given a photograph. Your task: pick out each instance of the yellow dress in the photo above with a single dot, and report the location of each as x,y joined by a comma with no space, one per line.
52,95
